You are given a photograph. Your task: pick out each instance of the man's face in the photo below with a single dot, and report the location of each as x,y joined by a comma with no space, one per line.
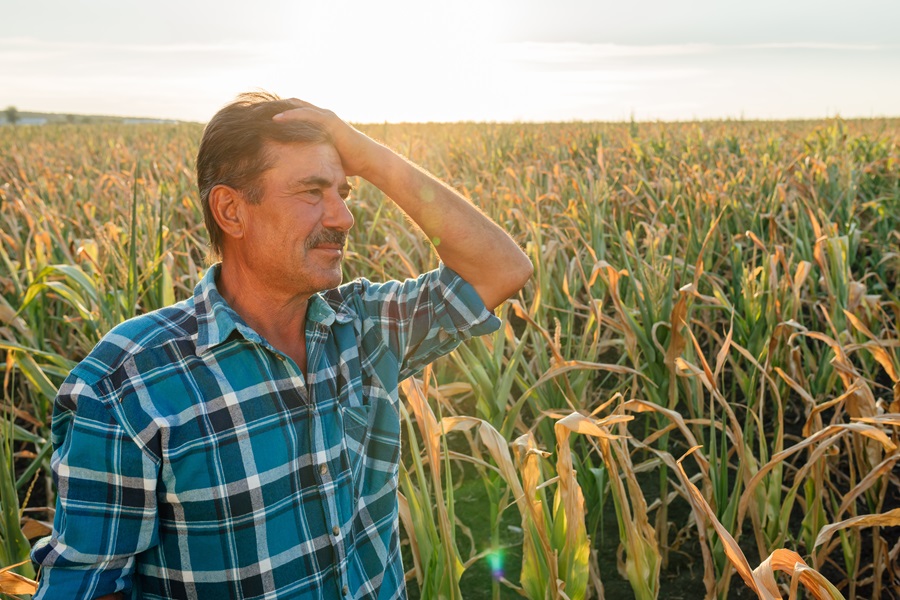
295,235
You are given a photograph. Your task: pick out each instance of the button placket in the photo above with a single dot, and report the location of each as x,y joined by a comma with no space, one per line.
316,337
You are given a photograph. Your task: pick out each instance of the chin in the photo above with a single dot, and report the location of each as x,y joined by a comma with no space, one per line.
338,280
330,281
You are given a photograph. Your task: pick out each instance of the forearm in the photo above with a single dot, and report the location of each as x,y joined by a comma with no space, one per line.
467,241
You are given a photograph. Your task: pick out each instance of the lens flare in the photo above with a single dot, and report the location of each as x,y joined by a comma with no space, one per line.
495,559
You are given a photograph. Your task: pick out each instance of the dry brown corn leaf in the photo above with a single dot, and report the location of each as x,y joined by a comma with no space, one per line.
873,477
523,314
677,343
858,324
573,499
33,528
706,369
732,550
880,354
498,448
612,278
801,571
802,272
527,456
456,388
722,356
13,583
830,435
889,519
678,421
885,419
406,517
818,409
424,416
791,563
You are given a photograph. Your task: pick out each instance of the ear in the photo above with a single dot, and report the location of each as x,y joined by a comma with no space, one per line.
227,207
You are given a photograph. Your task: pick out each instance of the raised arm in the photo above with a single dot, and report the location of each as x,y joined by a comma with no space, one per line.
466,240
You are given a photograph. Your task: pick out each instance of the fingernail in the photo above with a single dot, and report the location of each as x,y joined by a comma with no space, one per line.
278,117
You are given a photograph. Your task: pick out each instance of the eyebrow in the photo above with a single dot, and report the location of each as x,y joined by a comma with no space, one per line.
319,181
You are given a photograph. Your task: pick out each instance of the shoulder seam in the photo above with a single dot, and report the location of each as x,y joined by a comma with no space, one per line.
92,369
99,396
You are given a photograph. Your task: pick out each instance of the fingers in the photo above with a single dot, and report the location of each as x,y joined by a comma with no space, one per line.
306,110
302,109
302,103
301,112
353,147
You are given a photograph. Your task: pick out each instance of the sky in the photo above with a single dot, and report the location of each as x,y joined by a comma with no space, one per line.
486,60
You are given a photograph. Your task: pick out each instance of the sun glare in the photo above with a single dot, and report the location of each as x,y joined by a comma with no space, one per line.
414,61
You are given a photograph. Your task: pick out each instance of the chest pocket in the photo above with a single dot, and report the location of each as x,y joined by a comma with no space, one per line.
356,439
372,440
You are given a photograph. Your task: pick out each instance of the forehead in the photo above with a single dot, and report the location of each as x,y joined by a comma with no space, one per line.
292,162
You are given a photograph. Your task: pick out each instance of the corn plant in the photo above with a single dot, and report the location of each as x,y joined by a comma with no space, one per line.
730,285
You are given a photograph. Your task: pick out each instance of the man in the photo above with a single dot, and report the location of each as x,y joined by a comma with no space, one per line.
245,443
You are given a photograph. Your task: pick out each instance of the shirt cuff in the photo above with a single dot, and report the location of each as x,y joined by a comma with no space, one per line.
88,581
465,315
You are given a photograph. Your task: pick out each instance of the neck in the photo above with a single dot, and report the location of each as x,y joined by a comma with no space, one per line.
278,316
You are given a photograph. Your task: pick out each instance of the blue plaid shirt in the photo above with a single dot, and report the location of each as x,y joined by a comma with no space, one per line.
192,460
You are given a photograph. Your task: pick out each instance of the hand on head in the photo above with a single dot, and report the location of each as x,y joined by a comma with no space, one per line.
358,152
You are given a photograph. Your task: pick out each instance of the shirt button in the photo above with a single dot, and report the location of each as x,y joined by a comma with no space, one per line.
323,469
345,590
336,530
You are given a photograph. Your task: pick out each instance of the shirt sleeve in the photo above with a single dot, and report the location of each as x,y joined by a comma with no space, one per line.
425,318
106,501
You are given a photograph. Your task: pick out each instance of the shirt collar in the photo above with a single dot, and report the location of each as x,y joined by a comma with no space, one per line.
216,320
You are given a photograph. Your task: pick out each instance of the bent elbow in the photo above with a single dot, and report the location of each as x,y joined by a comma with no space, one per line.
516,274
524,272
502,280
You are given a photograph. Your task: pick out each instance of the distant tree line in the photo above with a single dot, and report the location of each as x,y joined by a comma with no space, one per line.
13,115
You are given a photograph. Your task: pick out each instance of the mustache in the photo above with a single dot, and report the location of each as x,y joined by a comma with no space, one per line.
326,236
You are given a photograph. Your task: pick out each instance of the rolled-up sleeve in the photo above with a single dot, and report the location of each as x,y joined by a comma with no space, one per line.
106,509
424,318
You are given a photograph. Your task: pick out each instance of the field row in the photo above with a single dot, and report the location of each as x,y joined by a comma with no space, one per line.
704,365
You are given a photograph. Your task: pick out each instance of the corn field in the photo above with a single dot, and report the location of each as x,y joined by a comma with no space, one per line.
702,376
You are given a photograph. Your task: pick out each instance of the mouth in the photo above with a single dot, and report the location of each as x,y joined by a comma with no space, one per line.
333,249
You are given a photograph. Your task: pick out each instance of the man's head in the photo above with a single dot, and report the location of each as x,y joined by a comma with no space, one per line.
236,150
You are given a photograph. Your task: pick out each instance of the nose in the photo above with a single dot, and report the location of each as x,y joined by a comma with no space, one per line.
337,215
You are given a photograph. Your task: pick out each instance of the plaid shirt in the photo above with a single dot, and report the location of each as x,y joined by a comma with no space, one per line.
192,459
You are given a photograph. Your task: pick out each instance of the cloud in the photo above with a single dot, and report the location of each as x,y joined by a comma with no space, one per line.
582,56
398,80
36,50
818,46
573,54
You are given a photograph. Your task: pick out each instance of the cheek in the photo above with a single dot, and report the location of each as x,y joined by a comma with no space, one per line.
288,226
300,221
264,242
